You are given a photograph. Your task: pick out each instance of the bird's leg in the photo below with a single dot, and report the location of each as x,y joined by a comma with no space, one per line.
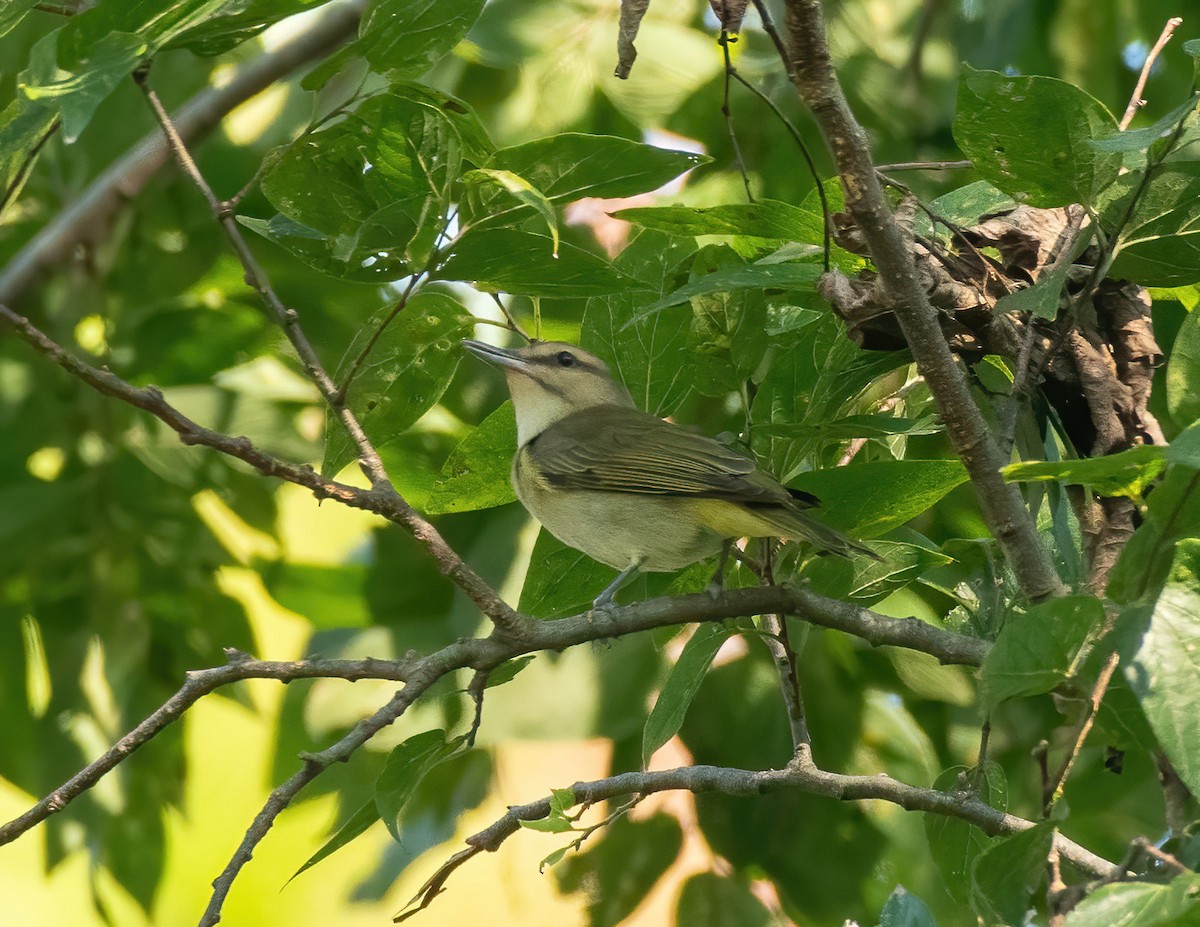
605,598
716,585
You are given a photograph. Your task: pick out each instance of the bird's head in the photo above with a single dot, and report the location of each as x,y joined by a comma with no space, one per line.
549,380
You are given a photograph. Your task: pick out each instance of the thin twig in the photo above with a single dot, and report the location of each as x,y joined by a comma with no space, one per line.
513,325
727,115
804,153
925,166
1135,101
1052,788
780,647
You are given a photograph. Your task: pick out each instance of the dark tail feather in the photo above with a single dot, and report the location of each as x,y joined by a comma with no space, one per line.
794,525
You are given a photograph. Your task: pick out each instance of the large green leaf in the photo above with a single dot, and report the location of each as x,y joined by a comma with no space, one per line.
1183,372
789,275
710,900
1160,243
409,368
24,126
1036,649
572,166
1007,873
1140,904
524,263
648,354
872,498
1126,473
1165,675
476,475
904,909
1030,136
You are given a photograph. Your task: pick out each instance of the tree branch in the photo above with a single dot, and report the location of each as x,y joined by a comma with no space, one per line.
800,774
1001,502
87,218
1135,100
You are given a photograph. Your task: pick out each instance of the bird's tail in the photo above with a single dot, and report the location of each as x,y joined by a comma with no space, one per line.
794,525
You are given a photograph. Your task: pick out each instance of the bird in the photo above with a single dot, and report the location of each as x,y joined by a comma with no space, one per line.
627,488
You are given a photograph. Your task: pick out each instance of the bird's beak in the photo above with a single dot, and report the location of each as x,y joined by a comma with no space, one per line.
493,355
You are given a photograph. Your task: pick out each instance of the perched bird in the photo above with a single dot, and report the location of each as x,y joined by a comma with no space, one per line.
627,488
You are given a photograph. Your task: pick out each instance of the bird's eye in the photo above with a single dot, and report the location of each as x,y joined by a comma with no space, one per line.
566,359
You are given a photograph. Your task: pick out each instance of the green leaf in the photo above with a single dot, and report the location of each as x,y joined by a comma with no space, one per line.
12,13
355,826
403,38
710,900
230,24
965,205
648,355
1126,473
1183,372
1007,873
1165,674
760,276
1160,244
406,766
368,196
1036,649
521,190
477,473
1140,904
955,844
875,425
23,127
870,499
76,94
509,261
572,166
904,909
556,821
1031,137
508,670
409,368
763,219
682,682
1141,140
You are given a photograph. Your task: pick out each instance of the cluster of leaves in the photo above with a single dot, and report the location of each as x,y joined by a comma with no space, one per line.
710,314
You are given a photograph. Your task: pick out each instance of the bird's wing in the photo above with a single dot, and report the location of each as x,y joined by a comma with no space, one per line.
623,450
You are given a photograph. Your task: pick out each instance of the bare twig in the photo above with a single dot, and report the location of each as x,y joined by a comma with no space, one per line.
1053,786
1135,101
800,774
925,166
86,218
727,115
1000,502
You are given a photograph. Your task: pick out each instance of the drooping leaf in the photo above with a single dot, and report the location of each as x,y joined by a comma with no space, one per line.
476,475
762,219
679,688
1165,674
1031,137
521,190
710,900
1183,372
406,766
356,825
408,369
